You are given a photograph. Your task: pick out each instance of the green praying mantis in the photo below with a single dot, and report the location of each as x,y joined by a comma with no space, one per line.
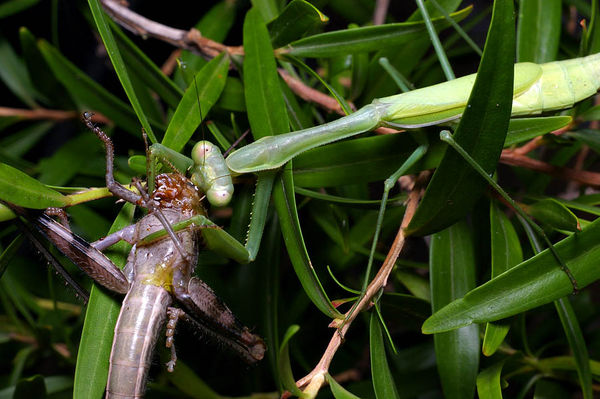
537,88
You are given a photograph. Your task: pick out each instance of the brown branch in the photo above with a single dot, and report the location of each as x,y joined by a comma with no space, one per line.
38,113
142,26
381,9
47,114
313,381
580,176
307,93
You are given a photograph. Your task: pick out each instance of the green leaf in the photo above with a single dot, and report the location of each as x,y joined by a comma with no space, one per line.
538,30
383,381
65,163
359,160
370,38
338,391
14,74
523,129
264,102
284,366
452,274
209,84
537,281
296,20
232,98
488,382
184,378
40,73
100,318
268,9
285,204
455,186
146,70
554,214
11,7
267,116
88,94
506,253
576,340
20,189
117,61
589,137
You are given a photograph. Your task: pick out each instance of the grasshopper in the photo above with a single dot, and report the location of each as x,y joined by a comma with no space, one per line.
158,271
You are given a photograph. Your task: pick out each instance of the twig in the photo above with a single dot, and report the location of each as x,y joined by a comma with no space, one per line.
313,381
49,114
142,26
169,65
580,176
381,9
307,93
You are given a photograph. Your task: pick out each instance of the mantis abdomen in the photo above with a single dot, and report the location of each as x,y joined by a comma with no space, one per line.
560,85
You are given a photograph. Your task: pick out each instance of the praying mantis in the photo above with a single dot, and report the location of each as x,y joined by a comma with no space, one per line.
537,88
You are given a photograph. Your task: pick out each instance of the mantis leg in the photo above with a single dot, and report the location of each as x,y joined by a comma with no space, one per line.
447,137
214,319
216,239
390,182
388,185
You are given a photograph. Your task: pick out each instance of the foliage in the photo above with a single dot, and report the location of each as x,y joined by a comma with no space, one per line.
300,64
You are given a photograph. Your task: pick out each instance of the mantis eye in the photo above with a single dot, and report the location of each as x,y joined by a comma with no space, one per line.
201,151
218,197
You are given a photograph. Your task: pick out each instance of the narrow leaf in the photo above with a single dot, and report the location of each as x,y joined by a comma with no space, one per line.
100,318
210,81
488,382
452,274
455,186
23,190
89,95
297,19
267,116
554,214
570,323
537,281
383,382
538,30
115,56
370,38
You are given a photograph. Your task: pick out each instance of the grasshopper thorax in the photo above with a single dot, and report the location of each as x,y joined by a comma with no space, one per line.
174,191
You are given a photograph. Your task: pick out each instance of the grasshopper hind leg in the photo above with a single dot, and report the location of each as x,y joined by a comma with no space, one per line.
213,319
